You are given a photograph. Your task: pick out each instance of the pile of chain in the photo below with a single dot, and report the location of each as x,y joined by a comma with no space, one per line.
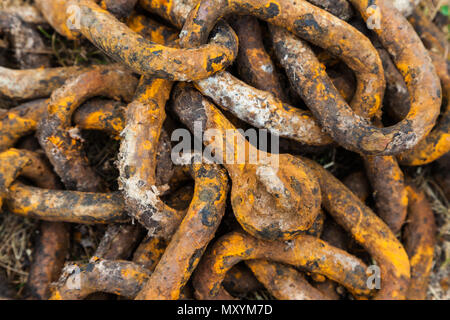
368,77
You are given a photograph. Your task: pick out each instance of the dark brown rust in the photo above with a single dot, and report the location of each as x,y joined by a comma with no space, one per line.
437,142
240,280
53,242
254,64
62,142
433,38
284,282
49,255
66,206
26,42
7,291
419,235
442,174
34,83
340,8
357,183
119,241
307,252
119,8
309,22
259,108
150,250
369,231
388,184
193,235
119,277
139,54
270,200
396,100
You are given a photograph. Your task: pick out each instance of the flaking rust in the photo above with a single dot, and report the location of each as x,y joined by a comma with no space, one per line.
192,236
309,71
139,54
384,172
290,192
314,25
420,233
61,141
306,252
263,108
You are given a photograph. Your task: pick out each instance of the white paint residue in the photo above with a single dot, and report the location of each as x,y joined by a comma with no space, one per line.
267,175
259,108
267,68
406,7
349,263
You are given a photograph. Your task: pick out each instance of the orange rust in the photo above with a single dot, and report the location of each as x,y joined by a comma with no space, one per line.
437,142
388,183
144,56
118,241
385,174
95,114
152,30
174,11
284,282
20,121
119,277
307,252
350,131
419,235
411,59
34,83
309,22
24,40
52,245
254,64
61,142
137,159
334,234
226,90
433,38
240,280
311,81
193,235
270,201
49,254
149,252
57,13
66,206
369,231
101,114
